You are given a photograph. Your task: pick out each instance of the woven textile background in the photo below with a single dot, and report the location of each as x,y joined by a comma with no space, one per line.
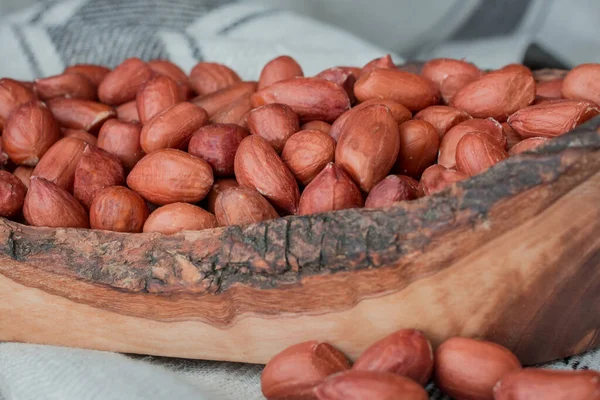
42,39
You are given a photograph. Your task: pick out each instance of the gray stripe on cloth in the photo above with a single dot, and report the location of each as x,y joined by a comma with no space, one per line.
427,42
153,14
538,57
247,18
493,18
27,51
105,46
47,4
196,50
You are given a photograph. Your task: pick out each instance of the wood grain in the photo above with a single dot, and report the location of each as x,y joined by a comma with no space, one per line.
511,255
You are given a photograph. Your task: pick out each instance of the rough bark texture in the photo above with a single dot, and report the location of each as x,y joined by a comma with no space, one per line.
283,251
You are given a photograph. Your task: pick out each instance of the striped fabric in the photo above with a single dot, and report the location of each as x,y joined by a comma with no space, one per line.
42,40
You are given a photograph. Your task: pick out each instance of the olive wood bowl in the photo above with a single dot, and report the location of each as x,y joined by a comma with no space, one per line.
511,255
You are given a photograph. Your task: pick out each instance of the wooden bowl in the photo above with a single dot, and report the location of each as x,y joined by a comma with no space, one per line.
511,255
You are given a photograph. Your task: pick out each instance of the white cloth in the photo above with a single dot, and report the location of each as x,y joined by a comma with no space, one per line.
41,40
35,372
53,373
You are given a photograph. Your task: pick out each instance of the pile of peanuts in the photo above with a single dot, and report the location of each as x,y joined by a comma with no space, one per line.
399,365
146,147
